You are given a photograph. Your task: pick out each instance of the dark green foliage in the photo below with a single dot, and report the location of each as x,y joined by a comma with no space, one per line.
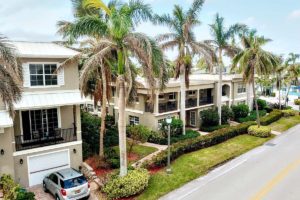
252,116
209,117
240,111
90,125
176,127
25,195
272,117
213,128
261,104
158,138
188,135
200,142
227,114
112,158
137,133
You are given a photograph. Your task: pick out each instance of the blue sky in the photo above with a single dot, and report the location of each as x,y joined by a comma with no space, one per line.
35,20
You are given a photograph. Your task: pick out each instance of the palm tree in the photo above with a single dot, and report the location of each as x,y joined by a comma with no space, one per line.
293,69
10,75
223,42
279,72
254,60
114,29
182,37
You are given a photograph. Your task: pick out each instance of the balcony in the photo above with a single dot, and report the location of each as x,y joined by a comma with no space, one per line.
45,139
206,100
167,107
190,103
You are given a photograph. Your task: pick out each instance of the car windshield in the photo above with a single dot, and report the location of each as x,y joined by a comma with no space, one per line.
74,182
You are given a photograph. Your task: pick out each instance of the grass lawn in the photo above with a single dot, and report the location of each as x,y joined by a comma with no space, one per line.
138,152
191,166
285,123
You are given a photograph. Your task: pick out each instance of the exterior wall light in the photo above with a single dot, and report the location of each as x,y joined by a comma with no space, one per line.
2,152
74,151
21,161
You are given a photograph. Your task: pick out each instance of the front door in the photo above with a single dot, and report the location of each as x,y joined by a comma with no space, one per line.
193,118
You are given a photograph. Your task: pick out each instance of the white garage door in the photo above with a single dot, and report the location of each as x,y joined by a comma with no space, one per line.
41,165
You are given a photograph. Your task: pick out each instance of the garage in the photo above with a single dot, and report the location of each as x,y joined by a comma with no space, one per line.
41,165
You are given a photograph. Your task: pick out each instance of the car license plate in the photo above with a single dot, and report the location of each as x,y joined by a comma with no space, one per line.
77,191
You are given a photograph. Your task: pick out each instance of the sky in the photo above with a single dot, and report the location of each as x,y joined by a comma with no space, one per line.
279,20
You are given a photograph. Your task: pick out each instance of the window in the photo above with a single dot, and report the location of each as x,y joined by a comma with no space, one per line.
133,120
74,182
54,178
172,96
161,96
43,74
241,88
191,92
136,99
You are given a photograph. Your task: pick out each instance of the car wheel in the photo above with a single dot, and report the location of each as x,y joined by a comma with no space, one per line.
57,197
45,187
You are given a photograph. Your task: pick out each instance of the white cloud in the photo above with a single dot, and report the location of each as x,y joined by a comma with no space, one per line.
294,14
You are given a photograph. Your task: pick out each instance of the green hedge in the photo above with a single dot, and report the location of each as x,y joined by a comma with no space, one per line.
240,111
209,117
272,117
131,184
288,113
252,116
213,128
297,102
262,104
262,131
200,142
158,138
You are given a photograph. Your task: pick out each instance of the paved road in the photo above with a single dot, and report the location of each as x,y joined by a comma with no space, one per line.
270,172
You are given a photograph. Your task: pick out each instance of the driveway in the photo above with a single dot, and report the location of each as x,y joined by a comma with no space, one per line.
270,172
41,195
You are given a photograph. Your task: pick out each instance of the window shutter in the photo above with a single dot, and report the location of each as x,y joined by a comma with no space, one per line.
61,76
26,75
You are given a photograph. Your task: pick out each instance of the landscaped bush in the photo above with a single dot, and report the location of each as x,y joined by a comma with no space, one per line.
277,106
297,102
213,128
176,127
90,134
240,111
131,184
209,117
272,117
226,114
13,191
158,138
197,143
273,94
261,104
288,113
137,133
262,131
252,116
112,158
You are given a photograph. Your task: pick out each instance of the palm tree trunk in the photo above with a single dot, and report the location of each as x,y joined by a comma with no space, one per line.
248,95
279,95
287,94
256,106
103,113
122,127
220,86
182,97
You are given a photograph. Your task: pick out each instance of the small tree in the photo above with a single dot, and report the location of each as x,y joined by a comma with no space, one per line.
209,117
240,111
137,133
176,127
226,114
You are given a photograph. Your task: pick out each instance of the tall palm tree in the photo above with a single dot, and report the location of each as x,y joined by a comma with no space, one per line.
253,59
279,72
114,30
182,37
224,42
10,75
293,69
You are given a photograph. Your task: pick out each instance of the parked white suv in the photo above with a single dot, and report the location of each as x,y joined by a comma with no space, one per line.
67,184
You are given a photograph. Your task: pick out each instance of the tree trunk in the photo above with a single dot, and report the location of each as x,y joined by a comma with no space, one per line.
287,94
182,97
279,95
256,106
248,96
122,127
220,86
103,113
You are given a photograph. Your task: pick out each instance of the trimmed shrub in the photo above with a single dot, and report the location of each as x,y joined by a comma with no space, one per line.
272,117
252,116
176,127
137,133
297,102
133,183
226,114
240,111
158,138
277,106
209,117
268,109
288,113
261,104
188,134
213,128
262,131
197,143
112,158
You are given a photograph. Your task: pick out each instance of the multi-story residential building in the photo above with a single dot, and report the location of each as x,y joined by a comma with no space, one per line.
201,94
45,134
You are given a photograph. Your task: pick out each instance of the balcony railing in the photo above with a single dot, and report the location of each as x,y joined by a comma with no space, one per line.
206,100
44,139
167,107
191,103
